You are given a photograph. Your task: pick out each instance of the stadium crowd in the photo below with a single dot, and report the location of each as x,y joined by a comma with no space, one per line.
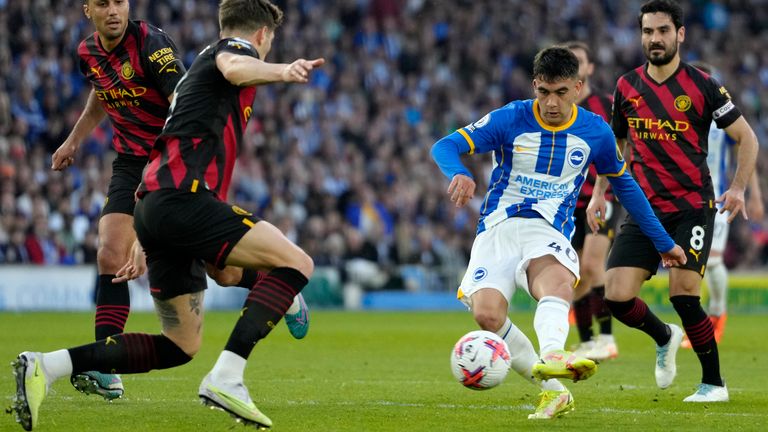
342,165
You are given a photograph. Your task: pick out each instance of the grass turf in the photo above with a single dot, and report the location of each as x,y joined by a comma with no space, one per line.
385,371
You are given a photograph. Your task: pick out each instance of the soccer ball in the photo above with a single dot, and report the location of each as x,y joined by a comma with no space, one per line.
480,360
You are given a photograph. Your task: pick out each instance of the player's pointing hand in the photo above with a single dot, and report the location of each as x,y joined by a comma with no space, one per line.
299,70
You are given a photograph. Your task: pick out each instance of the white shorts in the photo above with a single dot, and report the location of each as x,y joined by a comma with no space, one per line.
500,256
720,235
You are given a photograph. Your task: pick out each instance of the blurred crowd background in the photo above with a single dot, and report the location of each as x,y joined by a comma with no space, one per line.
342,165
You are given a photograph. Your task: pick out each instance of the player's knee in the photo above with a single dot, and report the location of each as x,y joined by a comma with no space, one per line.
590,269
229,276
111,258
489,320
303,263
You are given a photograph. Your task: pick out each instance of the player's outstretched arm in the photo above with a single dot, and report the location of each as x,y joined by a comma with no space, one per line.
633,199
246,71
91,116
746,141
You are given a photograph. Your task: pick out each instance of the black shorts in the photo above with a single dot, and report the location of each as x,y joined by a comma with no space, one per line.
126,176
608,228
180,231
691,229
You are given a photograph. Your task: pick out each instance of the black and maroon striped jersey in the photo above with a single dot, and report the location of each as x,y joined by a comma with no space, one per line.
666,125
599,104
204,130
133,83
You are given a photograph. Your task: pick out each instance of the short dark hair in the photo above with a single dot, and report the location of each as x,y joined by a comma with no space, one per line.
669,7
555,64
249,15
574,44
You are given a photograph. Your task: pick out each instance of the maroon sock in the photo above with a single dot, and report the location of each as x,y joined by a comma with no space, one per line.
600,310
635,313
113,303
265,306
128,353
583,312
701,333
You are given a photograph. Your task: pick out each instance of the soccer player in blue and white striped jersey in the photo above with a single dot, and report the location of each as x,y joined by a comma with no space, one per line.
542,149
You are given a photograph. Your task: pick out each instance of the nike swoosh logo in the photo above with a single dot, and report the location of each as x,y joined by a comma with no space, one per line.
235,403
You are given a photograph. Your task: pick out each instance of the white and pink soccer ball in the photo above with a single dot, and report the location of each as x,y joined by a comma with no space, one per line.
480,360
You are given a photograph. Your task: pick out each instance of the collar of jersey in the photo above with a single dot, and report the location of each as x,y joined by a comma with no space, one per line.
243,41
569,123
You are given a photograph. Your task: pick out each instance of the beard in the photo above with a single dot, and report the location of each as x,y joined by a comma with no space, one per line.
664,59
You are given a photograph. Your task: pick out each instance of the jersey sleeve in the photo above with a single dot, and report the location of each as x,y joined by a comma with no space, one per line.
488,133
82,65
162,57
446,154
608,159
724,112
481,136
618,121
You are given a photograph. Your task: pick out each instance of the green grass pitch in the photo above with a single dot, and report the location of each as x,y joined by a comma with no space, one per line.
386,371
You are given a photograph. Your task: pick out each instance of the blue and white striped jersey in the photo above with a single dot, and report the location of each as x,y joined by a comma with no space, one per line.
539,169
719,158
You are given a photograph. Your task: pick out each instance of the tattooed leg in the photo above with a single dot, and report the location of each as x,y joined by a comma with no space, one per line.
182,320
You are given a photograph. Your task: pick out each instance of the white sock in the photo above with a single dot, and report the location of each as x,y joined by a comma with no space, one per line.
551,323
229,368
295,306
717,281
523,356
57,364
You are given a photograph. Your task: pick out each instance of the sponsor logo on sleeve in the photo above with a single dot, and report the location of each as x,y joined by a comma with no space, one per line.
166,59
478,124
723,110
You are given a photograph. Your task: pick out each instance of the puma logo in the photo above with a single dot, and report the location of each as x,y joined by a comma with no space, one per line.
635,101
695,254
97,71
170,68
110,341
